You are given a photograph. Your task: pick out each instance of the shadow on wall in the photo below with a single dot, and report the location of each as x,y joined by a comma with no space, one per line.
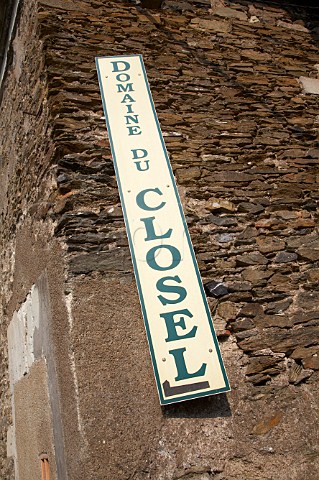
215,406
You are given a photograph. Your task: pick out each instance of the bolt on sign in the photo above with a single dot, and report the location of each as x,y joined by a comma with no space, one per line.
185,353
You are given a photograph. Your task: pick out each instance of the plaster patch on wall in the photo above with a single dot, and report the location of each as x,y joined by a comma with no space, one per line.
68,304
22,352
21,337
11,443
310,85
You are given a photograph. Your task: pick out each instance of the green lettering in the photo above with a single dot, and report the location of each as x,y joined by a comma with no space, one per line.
163,287
131,118
116,68
125,88
171,325
151,257
150,230
140,169
140,199
182,373
134,130
128,98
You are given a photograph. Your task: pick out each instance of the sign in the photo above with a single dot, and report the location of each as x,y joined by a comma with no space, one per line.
184,349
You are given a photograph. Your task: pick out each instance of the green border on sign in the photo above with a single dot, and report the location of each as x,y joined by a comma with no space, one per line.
159,386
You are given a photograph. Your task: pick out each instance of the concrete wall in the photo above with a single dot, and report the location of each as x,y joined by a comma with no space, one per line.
241,130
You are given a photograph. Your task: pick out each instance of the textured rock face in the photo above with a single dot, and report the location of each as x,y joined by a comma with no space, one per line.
242,138
25,184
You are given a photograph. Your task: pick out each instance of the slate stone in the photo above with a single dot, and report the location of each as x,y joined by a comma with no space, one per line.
280,340
224,238
227,12
256,275
178,6
223,221
251,259
102,262
220,327
186,174
251,310
262,363
303,317
298,374
279,320
228,310
284,342
286,257
313,275
270,244
308,300
216,289
241,137
247,207
223,205
292,26
278,307
239,286
301,352
217,26
242,325
310,253
258,379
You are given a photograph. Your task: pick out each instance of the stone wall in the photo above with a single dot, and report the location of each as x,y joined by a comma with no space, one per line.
242,137
25,154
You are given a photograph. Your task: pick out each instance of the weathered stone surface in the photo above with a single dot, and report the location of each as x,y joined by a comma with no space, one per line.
218,26
242,325
297,373
278,320
313,275
220,327
250,208
239,286
255,274
302,352
285,257
216,289
311,362
225,238
223,221
187,174
292,26
269,245
222,205
251,259
267,424
310,252
113,261
308,300
228,311
251,310
278,307
241,137
279,341
263,363
230,13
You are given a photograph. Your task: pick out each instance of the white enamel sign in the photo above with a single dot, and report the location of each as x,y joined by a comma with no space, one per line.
183,345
